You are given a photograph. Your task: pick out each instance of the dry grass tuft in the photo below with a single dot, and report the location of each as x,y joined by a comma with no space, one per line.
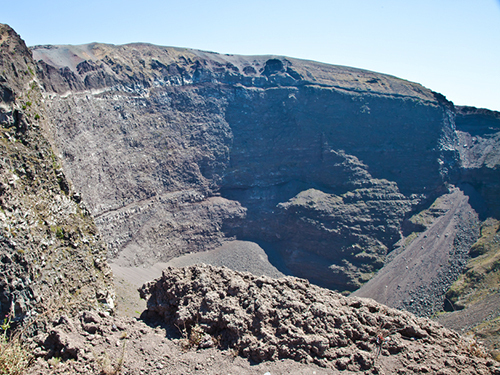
473,347
14,356
193,338
106,364
196,337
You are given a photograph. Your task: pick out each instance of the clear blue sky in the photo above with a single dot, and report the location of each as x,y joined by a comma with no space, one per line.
449,46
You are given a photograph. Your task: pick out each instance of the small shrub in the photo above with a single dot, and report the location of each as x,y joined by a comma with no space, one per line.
196,335
5,326
194,338
473,347
54,361
59,233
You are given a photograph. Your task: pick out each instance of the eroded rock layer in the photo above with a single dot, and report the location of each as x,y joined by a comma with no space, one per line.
177,150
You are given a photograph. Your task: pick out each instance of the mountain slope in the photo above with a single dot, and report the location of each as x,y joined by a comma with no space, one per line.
51,256
335,172
177,151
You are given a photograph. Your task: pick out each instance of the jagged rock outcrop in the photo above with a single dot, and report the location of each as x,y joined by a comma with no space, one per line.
271,319
177,150
51,257
201,317
358,227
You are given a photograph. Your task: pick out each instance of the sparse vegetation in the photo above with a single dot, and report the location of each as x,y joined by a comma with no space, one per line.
54,361
192,336
55,161
409,239
59,233
14,357
479,285
473,347
106,364
483,271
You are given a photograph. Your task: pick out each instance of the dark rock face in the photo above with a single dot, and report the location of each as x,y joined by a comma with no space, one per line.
350,234
51,257
295,139
478,133
177,150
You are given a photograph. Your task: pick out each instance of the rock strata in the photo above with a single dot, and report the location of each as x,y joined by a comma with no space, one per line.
177,151
478,133
352,233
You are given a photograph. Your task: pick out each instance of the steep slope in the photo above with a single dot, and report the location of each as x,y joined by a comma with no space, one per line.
427,263
438,265
478,133
473,301
177,150
50,255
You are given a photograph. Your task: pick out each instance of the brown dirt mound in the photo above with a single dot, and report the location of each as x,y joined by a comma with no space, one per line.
288,318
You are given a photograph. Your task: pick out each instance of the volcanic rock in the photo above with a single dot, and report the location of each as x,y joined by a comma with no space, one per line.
335,172
177,151
268,319
51,257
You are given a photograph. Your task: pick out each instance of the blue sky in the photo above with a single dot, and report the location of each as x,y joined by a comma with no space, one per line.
449,46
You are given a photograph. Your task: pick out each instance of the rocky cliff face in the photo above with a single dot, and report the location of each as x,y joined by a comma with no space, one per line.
478,132
336,172
51,257
177,150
